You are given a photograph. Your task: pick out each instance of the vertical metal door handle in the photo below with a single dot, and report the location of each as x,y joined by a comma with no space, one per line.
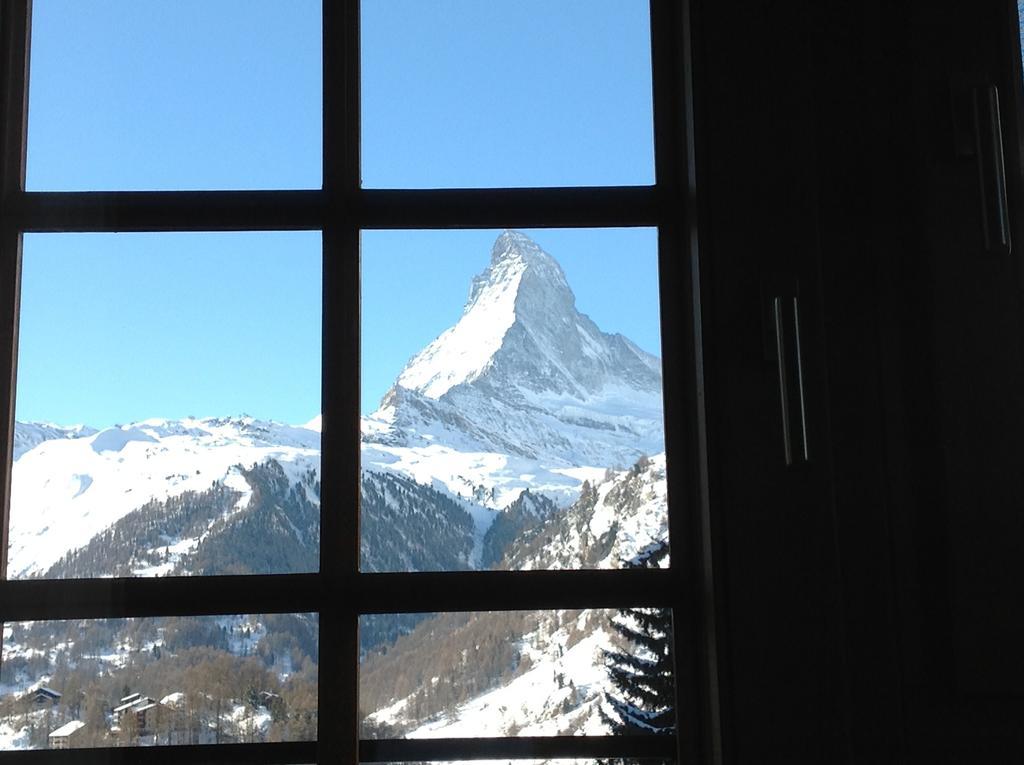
786,322
988,138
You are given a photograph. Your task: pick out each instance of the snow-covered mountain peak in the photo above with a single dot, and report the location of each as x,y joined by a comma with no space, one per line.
523,372
519,268
515,256
520,327
515,244
521,285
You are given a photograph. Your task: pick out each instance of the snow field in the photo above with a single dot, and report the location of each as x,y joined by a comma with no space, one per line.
65,491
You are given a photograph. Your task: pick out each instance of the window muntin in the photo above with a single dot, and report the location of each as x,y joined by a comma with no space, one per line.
464,94
196,94
166,384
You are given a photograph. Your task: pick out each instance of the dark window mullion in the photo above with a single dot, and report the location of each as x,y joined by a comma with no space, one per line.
10,294
338,737
14,36
15,20
679,281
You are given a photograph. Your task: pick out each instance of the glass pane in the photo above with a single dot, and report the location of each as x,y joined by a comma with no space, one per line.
522,673
462,93
171,680
521,428
167,405
190,94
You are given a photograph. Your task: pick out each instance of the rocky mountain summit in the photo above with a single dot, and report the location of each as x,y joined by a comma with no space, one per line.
522,374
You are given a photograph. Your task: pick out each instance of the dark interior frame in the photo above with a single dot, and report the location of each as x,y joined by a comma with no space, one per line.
339,592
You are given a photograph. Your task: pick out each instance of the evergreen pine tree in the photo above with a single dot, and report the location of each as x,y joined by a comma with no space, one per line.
645,699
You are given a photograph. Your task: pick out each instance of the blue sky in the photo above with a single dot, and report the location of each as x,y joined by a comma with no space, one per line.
515,93
212,94
189,94
121,327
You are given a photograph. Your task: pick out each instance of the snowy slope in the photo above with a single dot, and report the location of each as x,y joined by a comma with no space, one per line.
611,523
555,689
65,489
556,678
30,434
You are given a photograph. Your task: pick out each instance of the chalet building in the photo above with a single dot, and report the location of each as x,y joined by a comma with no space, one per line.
173,724
43,696
66,736
145,715
167,721
131,698
142,707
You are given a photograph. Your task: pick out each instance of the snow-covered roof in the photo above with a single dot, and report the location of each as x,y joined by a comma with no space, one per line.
68,728
173,699
134,703
44,690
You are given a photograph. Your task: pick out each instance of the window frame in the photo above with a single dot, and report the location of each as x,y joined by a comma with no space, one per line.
339,592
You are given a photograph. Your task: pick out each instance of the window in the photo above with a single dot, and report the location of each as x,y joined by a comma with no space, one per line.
341,211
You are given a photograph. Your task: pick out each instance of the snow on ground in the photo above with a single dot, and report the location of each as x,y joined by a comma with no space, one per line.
646,522
175,550
558,695
251,724
13,738
29,435
244,633
493,479
631,505
175,700
66,490
485,481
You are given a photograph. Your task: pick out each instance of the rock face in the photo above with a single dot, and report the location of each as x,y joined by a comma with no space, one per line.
523,372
